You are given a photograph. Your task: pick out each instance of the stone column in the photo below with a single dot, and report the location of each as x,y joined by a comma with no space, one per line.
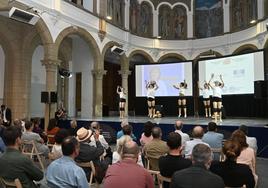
260,9
226,17
97,98
155,23
127,5
51,85
190,24
124,74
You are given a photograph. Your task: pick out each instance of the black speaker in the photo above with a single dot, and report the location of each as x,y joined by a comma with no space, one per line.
44,97
260,89
53,97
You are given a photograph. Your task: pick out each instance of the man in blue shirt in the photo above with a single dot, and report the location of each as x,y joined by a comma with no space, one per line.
63,172
126,130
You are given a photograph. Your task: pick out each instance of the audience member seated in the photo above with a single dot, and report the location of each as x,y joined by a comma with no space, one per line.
19,123
95,127
37,129
198,174
120,133
155,149
174,161
251,141
213,139
73,127
121,142
178,129
60,114
197,134
2,145
64,172
146,136
233,174
56,151
247,155
90,153
16,165
29,135
127,173
52,129
127,131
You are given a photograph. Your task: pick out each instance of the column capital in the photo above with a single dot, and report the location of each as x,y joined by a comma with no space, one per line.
124,73
51,63
98,74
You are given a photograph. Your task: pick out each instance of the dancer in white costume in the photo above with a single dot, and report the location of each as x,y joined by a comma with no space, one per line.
151,87
122,101
182,99
206,98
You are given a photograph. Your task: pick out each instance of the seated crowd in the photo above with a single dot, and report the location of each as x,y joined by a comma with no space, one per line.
202,160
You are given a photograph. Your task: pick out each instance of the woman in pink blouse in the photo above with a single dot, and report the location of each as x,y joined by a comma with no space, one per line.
146,136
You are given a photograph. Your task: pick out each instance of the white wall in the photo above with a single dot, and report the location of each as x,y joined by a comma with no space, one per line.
38,83
82,62
2,74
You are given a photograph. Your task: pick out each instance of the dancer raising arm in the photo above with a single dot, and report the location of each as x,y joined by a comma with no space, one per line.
206,99
122,101
151,87
182,99
217,97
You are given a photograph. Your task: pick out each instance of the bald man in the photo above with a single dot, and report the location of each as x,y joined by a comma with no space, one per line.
197,134
127,173
178,129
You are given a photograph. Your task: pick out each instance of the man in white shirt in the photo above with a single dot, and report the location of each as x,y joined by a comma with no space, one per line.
184,137
198,133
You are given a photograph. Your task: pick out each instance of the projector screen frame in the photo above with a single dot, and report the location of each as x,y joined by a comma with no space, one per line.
171,62
232,55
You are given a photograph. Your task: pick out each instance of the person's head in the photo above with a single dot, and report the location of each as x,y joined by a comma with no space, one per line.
148,128
178,125
155,73
130,150
121,142
12,136
73,124
202,155
212,126
174,140
156,133
182,84
217,83
17,122
240,137
36,121
198,132
3,107
28,125
244,129
60,135
83,135
52,124
124,122
231,149
70,147
95,125
127,130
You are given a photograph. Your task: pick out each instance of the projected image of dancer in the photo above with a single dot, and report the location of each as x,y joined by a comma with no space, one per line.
151,88
217,97
206,99
182,99
122,101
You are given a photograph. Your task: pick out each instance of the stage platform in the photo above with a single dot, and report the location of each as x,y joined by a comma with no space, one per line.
257,127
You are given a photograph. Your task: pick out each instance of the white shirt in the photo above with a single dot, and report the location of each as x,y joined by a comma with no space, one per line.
117,157
151,92
102,140
182,91
184,137
217,92
189,145
205,93
252,143
122,95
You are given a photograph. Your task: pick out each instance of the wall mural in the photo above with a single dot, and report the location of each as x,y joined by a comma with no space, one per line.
172,23
116,9
141,18
241,13
208,18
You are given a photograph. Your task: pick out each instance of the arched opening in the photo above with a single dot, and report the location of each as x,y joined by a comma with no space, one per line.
247,48
171,57
79,54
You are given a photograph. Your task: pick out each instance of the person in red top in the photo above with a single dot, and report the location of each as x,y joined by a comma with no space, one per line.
127,173
52,129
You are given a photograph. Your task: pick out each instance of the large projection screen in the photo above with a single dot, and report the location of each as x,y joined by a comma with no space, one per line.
239,72
166,75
